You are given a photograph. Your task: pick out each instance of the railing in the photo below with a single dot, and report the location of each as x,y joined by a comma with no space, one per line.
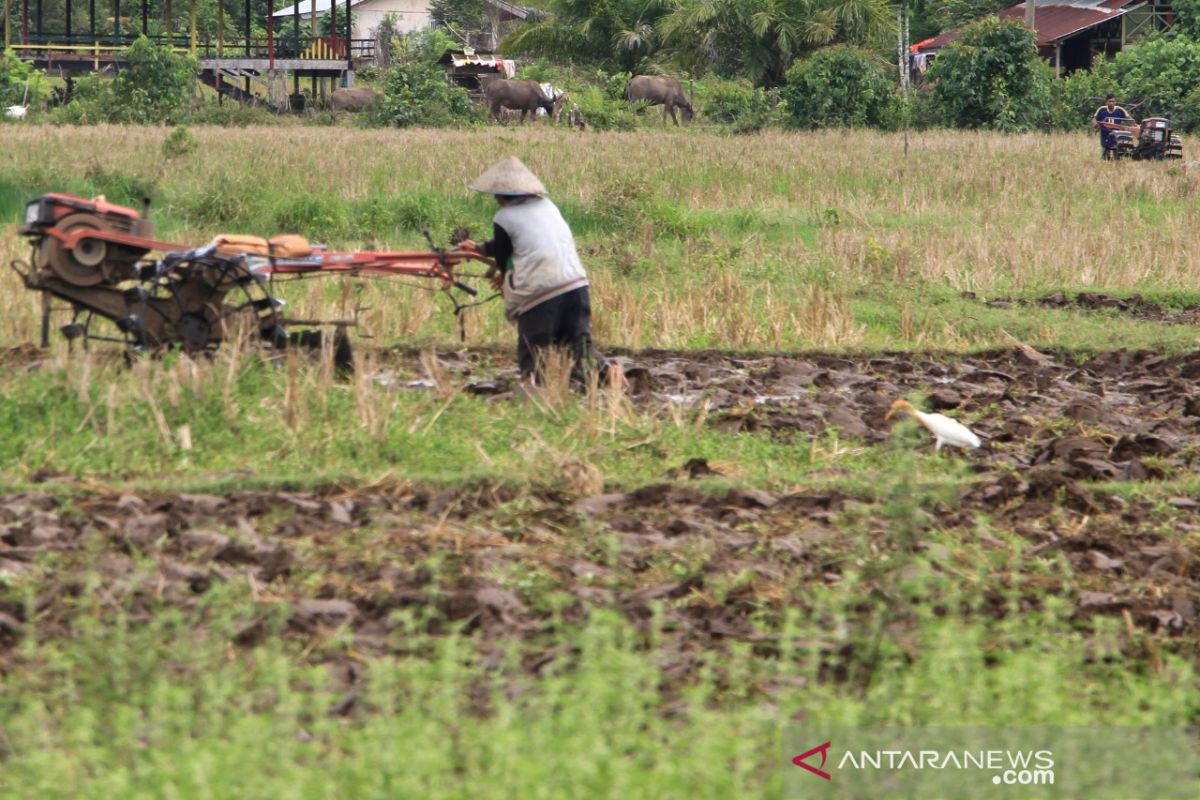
285,45
96,50
1142,21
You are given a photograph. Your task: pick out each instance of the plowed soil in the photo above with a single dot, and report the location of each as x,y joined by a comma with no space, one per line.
1114,416
1135,305
724,566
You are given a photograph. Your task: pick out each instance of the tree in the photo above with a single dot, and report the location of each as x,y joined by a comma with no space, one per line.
464,16
345,23
949,14
614,35
385,40
1187,19
759,39
991,77
1163,71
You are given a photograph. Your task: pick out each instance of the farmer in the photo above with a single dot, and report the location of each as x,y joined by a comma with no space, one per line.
539,271
1110,112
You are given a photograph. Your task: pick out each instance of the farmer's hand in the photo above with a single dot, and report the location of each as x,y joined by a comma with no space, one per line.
468,244
496,277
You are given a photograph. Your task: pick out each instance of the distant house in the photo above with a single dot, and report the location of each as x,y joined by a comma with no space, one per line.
411,15
1072,34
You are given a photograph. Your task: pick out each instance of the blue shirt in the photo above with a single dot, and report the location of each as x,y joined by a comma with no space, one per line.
1108,138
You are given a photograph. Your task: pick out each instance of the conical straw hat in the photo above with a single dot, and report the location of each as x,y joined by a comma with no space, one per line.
509,176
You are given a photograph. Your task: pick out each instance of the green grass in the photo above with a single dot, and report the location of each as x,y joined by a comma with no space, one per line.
112,424
163,709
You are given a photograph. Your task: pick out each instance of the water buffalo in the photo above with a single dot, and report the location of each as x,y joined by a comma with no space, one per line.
524,96
353,99
660,90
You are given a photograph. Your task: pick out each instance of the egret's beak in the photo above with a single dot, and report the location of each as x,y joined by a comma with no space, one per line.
891,412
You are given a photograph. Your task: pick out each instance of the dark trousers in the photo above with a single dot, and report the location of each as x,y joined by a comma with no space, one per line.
565,322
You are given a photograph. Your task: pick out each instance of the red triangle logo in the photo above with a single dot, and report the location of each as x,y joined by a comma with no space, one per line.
823,749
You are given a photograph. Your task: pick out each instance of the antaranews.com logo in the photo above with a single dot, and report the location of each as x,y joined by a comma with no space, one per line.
1011,768
969,763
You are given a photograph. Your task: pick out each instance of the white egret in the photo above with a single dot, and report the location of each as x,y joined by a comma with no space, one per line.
948,432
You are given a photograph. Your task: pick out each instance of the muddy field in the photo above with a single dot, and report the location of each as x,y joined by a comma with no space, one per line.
511,565
1115,416
1135,306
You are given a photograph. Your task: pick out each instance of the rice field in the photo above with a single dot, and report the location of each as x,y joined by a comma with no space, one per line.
255,577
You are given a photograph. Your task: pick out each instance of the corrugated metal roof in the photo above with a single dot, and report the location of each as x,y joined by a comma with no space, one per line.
304,7
1054,21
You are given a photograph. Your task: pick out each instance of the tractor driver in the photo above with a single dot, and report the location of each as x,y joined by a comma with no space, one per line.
1109,112
540,273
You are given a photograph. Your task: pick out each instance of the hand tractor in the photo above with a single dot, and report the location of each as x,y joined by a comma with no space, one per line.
1152,139
97,257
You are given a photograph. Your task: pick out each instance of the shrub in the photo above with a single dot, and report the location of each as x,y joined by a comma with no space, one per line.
991,77
738,104
1187,115
601,112
616,84
419,94
839,86
155,87
229,114
541,71
179,142
91,102
416,90
1073,100
15,76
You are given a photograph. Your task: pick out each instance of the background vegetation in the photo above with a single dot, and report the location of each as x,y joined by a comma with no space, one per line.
803,65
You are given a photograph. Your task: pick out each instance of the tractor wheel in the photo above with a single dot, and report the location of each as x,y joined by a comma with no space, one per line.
200,305
83,264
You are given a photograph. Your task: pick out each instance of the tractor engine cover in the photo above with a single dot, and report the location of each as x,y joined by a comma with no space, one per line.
82,265
92,261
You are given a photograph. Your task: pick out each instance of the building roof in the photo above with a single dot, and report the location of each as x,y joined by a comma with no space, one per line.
304,8
1054,21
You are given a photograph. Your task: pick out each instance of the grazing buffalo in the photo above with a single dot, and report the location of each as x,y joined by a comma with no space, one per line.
524,96
353,99
660,90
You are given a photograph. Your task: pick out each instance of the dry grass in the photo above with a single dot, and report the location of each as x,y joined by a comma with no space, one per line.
692,239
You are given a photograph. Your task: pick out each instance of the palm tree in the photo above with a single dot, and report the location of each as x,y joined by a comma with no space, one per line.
761,38
617,35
